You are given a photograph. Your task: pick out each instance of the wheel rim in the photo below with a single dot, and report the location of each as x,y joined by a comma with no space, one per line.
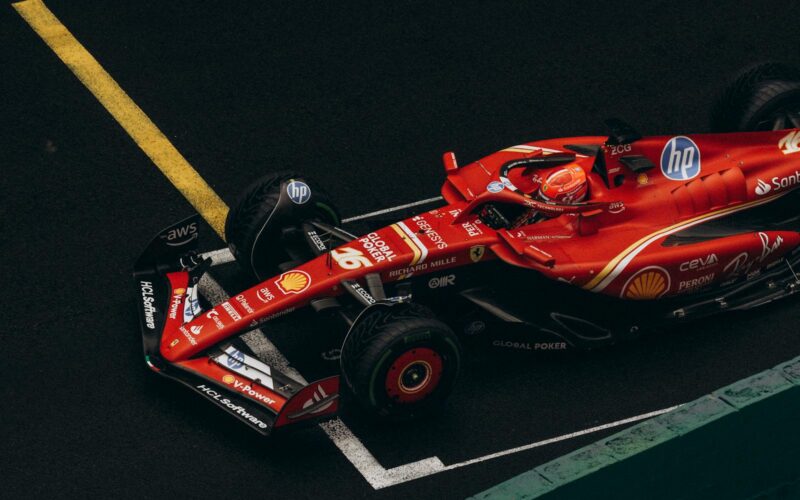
414,375
783,118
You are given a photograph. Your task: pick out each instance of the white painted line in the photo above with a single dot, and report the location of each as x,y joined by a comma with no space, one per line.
221,256
224,255
433,465
563,437
353,449
392,209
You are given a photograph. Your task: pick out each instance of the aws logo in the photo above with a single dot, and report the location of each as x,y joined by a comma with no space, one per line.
181,235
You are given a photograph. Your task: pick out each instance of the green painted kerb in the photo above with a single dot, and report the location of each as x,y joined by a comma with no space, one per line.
740,441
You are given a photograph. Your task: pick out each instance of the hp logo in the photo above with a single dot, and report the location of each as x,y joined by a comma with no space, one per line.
235,360
495,187
298,192
680,160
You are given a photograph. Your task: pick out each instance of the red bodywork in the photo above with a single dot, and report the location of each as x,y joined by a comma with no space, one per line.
610,245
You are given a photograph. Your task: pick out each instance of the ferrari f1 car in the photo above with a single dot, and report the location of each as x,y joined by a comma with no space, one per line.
551,245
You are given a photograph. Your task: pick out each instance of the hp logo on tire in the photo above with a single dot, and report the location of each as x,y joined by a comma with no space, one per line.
298,192
680,159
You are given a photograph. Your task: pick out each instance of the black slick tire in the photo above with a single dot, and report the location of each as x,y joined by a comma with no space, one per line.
399,362
258,220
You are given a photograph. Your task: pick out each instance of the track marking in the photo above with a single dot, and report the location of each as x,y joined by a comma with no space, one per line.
135,122
353,449
221,256
564,437
392,209
379,477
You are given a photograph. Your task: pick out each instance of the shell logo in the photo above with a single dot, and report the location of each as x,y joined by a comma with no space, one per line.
179,291
293,282
649,283
228,379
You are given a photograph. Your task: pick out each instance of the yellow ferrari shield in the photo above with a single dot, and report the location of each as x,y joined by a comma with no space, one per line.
476,252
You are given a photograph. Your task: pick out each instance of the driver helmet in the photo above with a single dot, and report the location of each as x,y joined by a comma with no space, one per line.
565,184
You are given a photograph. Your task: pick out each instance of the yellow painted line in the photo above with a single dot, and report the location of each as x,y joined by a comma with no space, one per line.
141,129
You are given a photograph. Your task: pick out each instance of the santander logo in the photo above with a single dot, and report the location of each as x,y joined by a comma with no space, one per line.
762,188
778,183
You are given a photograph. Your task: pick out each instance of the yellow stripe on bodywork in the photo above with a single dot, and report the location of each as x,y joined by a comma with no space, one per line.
646,240
409,242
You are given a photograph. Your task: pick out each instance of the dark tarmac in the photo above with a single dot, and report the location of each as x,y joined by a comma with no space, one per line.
365,101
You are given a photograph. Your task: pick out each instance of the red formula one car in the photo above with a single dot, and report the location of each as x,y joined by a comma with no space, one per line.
567,243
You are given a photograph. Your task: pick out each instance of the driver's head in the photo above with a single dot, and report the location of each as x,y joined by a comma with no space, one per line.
566,184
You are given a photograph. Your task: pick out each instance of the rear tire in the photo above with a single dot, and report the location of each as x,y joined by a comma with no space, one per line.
258,221
399,362
762,98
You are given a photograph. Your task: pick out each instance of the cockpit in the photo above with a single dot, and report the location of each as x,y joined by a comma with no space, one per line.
557,179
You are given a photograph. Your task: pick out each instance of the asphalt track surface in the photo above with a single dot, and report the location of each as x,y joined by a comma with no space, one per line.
365,100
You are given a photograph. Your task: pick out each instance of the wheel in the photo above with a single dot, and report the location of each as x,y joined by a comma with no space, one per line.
258,226
399,362
766,97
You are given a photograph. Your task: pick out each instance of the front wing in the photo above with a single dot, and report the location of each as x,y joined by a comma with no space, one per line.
228,374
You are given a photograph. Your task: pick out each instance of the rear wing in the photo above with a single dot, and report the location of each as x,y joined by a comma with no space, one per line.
167,276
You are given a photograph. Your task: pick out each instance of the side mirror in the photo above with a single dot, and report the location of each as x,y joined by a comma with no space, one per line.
449,160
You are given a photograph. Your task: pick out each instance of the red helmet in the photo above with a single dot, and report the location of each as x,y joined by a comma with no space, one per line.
565,184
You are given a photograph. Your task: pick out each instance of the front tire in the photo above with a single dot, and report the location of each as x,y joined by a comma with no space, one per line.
399,362
258,226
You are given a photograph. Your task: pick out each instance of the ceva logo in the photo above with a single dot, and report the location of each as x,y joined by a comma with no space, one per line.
762,188
680,159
